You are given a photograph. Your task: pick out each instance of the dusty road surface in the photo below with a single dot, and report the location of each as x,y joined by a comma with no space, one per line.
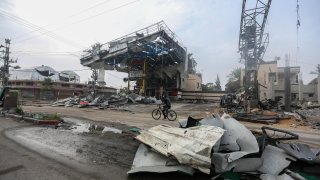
17,162
139,115
95,144
79,149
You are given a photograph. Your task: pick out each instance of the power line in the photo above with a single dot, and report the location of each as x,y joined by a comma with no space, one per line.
85,19
89,8
75,14
34,27
48,53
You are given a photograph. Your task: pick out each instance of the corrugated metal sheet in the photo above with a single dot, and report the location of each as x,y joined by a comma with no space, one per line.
190,146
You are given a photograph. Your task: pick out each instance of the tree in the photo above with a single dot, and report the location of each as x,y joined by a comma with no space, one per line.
47,84
207,87
233,84
217,86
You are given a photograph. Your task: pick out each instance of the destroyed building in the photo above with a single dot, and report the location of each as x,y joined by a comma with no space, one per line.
271,79
153,57
32,84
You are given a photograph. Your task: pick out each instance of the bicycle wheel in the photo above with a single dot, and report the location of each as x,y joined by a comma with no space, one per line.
156,114
172,115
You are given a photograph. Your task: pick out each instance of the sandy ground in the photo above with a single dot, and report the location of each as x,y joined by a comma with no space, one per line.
90,142
139,115
93,150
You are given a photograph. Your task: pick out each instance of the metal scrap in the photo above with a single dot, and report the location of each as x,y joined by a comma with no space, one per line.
298,150
147,160
191,146
274,160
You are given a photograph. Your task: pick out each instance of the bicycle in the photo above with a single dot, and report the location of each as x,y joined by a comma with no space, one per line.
171,114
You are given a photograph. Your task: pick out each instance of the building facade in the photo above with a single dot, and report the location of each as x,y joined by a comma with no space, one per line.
44,83
271,80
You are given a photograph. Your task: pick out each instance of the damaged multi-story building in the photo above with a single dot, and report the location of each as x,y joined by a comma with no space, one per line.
153,57
271,82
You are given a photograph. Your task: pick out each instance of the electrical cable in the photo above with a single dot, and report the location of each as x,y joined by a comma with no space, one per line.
32,26
73,15
85,19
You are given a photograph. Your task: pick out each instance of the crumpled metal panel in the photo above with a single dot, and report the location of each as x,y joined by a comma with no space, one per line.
275,177
237,139
241,165
213,120
147,160
298,150
274,160
190,146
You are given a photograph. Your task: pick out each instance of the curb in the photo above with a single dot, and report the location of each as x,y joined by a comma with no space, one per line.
33,120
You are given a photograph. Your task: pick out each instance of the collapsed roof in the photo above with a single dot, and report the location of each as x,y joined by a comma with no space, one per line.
155,43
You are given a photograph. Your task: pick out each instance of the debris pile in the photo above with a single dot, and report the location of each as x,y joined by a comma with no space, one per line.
68,102
310,117
102,101
219,145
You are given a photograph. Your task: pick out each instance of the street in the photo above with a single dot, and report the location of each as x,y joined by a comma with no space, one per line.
95,144
17,162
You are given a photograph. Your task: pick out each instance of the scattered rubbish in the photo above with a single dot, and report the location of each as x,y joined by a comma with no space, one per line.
135,130
275,160
190,146
224,148
89,128
310,117
237,138
275,134
147,160
298,150
68,102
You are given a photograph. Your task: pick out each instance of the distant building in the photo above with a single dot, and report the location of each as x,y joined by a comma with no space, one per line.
193,82
33,84
271,79
42,72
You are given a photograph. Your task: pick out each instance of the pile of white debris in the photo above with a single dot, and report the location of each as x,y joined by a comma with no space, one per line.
216,145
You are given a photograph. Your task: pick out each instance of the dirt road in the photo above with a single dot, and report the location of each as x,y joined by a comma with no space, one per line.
95,144
19,163
139,115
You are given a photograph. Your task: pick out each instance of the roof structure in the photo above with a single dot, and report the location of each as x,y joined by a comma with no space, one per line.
156,43
42,72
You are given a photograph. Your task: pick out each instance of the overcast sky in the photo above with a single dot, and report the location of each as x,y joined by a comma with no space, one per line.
208,28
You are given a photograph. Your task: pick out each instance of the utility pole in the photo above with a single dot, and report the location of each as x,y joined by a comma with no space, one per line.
6,61
287,86
94,77
318,84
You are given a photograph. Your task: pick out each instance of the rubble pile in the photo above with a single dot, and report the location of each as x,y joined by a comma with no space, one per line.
102,101
310,116
219,145
68,102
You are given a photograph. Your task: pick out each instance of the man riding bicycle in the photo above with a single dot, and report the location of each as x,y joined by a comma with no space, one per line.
166,105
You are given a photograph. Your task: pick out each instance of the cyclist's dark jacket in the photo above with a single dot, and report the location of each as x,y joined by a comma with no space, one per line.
166,102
